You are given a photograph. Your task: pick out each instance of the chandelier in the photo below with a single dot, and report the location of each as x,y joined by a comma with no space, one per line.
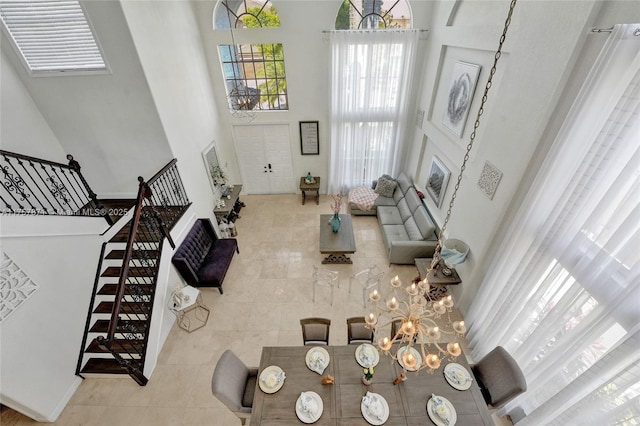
417,343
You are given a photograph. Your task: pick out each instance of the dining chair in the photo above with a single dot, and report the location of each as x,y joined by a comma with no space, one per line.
499,377
234,384
324,278
358,331
315,331
368,279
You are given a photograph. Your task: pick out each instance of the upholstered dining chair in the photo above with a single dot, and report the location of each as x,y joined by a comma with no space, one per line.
358,331
315,331
324,278
499,377
234,383
367,279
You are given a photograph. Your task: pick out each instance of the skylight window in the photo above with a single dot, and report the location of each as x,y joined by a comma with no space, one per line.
52,35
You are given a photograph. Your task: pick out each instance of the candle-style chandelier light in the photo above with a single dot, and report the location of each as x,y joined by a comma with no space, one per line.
417,339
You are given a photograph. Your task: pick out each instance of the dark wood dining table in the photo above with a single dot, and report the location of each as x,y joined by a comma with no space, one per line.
407,401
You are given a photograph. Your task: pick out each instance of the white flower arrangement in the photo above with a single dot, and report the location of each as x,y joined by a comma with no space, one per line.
218,175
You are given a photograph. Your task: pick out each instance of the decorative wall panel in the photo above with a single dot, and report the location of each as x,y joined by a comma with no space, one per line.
15,287
489,179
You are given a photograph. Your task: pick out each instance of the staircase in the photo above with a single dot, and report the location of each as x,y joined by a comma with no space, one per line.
120,313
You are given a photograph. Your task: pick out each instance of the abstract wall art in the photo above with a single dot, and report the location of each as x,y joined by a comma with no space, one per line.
460,95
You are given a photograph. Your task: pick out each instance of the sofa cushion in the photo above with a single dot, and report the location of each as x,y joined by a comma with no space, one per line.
426,226
412,230
397,195
388,215
385,187
413,201
385,201
404,183
215,264
403,209
395,233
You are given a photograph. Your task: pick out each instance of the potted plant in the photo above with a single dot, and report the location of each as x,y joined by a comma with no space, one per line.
367,376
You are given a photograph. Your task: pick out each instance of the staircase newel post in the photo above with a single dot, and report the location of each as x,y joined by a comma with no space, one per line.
75,166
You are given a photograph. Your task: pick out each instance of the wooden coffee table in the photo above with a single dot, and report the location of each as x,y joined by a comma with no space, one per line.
337,245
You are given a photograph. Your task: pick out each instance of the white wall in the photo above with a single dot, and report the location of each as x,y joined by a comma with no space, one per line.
41,340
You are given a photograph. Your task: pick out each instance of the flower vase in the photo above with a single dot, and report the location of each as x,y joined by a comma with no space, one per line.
366,381
335,222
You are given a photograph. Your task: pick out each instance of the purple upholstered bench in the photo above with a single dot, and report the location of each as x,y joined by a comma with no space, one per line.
203,259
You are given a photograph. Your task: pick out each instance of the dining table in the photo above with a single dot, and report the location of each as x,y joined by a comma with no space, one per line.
341,400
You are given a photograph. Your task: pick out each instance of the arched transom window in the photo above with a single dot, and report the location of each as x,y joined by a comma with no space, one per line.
254,74
373,14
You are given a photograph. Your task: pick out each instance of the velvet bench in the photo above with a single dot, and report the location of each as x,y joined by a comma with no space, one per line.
202,258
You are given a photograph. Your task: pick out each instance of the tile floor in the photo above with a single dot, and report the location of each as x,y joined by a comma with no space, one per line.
266,291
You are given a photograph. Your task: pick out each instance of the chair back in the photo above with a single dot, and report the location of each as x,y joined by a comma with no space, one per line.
315,331
325,278
233,383
358,331
499,377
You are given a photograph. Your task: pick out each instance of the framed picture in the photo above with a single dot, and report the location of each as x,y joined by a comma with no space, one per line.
211,163
437,180
460,95
309,142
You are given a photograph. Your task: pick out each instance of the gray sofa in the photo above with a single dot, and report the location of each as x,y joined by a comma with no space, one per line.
408,229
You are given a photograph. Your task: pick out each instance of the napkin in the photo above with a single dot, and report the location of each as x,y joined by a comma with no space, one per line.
309,404
366,356
373,405
440,409
317,362
274,379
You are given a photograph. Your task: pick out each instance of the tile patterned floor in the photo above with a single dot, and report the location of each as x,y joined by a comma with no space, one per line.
269,283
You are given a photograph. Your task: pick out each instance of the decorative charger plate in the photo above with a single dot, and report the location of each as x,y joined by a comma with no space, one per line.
317,359
271,379
315,401
415,354
457,376
374,408
436,418
367,355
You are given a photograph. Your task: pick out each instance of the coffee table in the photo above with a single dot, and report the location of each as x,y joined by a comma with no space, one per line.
337,245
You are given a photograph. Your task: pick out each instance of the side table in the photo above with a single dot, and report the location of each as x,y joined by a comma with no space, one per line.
187,305
438,280
315,186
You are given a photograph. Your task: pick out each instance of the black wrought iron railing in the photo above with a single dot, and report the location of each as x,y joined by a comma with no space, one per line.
33,186
160,204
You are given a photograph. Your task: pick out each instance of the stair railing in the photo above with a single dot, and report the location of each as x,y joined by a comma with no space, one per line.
33,186
160,203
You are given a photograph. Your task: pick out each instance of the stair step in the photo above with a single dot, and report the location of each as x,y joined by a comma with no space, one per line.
126,308
103,366
102,326
137,254
110,289
119,345
134,271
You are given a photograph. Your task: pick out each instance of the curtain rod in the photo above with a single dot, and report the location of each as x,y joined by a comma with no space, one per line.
392,29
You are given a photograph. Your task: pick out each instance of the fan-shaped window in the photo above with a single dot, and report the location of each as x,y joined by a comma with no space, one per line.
245,14
373,14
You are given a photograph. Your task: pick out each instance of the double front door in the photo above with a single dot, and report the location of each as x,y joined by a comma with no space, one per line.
264,156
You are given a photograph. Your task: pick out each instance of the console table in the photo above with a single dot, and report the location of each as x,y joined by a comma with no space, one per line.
232,205
438,281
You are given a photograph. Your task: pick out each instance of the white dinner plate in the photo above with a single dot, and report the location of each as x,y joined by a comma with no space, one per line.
317,359
436,418
372,417
367,355
269,380
305,416
415,354
457,376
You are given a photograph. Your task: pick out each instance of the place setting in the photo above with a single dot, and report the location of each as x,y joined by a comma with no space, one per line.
367,355
309,407
441,411
317,359
457,376
271,379
374,408
410,361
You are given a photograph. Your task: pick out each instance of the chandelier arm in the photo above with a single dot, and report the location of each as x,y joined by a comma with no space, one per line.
476,124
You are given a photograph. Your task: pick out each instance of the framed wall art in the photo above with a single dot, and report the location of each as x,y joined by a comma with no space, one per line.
309,142
437,180
459,96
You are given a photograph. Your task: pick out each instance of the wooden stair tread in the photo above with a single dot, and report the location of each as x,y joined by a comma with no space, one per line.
134,271
120,346
126,308
110,289
102,326
136,254
103,366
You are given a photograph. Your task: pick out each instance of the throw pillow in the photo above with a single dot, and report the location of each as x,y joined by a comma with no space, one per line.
385,187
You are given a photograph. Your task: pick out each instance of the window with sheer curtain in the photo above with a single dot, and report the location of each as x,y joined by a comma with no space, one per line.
371,73
563,290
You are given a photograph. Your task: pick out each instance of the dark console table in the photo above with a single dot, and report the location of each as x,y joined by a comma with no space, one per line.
232,205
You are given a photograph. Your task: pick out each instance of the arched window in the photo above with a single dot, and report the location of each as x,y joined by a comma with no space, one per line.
254,73
372,14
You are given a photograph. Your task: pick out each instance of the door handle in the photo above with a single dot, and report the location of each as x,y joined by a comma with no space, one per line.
270,168
265,169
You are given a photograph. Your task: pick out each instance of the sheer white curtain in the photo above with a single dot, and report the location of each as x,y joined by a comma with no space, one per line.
370,76
563,292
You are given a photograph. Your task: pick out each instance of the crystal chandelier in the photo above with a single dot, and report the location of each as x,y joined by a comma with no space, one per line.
417,342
